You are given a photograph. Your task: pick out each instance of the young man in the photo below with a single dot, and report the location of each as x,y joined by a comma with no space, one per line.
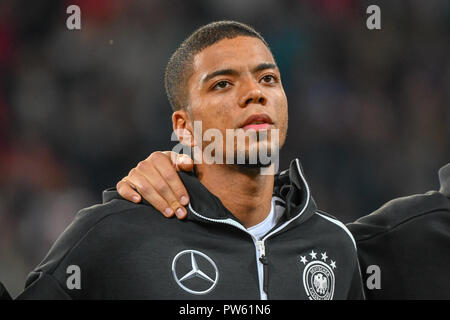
246,235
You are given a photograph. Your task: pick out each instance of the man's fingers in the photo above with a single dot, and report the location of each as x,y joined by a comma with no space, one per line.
166,164
158,183
170,176
180,162
160,204
126,191
184,163
147,190
172,156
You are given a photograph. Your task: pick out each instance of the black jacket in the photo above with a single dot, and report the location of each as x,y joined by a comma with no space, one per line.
130,251
4,294
409,240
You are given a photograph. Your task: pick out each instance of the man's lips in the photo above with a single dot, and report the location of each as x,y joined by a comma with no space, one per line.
257,122
257,127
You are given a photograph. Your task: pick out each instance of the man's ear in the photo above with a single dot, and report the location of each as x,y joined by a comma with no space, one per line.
182,126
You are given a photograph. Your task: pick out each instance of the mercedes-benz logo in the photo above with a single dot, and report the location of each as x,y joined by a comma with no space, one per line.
192,278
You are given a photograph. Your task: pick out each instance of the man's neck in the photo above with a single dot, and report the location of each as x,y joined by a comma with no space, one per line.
243,191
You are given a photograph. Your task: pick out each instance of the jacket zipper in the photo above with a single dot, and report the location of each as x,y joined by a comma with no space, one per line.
263,259
259,244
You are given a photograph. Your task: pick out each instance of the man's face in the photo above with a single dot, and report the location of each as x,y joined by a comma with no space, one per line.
236,85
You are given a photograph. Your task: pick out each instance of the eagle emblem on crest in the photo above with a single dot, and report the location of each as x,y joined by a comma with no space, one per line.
318,275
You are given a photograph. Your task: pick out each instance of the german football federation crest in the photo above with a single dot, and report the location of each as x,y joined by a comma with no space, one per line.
318,275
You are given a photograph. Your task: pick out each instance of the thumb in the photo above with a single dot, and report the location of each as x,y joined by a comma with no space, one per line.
184,163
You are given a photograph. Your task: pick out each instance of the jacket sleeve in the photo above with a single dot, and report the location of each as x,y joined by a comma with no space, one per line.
407,240
42,286
356,291
4,295
47,280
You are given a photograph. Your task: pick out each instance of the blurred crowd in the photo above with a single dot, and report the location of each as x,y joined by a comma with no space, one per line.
369,110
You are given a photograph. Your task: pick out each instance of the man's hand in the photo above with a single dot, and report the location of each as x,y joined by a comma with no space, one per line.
156,179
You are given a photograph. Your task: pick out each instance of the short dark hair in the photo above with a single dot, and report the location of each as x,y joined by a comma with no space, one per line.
179,67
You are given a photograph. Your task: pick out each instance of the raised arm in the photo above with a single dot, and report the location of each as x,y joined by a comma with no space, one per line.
156,179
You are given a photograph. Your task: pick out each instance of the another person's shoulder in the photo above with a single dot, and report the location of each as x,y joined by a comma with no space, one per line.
403,214
407,240
411,215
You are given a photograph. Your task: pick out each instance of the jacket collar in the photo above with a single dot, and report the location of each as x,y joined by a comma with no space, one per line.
290,185
111,194
444,178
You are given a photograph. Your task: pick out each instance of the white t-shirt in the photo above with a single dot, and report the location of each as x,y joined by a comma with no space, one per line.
259,230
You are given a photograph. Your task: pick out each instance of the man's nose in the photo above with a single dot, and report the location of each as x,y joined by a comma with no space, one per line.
253,94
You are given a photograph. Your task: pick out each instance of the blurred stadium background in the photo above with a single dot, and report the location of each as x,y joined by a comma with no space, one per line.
369,110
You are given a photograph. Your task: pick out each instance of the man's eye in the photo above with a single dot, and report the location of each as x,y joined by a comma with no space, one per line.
269,78
221,85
